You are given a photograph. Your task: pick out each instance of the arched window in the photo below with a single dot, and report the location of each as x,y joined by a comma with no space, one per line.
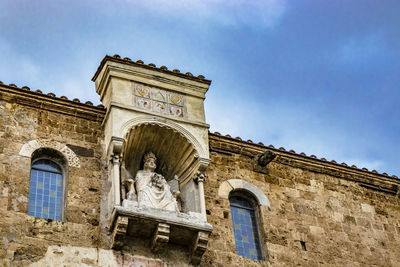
245,226
46,189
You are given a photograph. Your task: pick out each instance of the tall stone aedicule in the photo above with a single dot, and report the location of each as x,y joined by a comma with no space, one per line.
157,144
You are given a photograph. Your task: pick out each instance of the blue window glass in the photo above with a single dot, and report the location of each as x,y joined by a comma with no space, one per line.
45,196
244,220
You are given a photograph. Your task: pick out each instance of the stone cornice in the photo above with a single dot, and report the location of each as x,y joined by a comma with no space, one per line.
139,63
37,99
371,180
222,144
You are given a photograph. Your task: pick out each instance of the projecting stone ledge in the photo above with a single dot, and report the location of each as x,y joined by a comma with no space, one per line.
160,227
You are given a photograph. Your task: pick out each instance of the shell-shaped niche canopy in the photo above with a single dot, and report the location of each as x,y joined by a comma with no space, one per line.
175,154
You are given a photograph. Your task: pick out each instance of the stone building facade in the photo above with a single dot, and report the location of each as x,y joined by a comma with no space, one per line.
306,211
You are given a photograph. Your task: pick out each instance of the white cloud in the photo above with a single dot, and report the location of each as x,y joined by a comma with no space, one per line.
27,70
294,127
358,50
264,13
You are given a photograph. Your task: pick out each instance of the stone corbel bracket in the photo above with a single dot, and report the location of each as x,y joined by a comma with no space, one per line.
204,162
265,158
199,247
160,238
115,147
163,227
119,232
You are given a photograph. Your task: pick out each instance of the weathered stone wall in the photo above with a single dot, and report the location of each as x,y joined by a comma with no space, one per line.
25,116
343,216
29,120
341,222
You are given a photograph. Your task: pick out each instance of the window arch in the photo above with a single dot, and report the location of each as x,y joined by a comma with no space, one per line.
245,225
46,189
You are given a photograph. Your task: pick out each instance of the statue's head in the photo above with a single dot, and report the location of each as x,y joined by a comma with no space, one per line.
150,161
157,180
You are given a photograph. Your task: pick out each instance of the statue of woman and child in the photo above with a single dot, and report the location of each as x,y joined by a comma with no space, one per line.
152,190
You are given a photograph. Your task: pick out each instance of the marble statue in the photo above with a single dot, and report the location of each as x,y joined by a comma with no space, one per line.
152,190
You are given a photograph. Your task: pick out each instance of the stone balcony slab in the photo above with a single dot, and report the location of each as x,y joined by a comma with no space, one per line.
160,227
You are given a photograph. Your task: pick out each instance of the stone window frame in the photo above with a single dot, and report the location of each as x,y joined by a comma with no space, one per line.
239,187
68,156
254,207
238,184
59,158
71,159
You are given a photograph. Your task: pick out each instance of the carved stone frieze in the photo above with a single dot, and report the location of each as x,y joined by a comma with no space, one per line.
159,100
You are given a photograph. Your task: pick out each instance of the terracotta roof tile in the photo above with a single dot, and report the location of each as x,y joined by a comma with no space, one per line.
52,95
176,72
304,155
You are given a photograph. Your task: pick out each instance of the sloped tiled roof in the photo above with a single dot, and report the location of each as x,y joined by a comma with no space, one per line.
163,69
51,95
302,154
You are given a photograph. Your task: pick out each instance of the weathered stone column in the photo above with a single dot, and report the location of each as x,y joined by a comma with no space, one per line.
199,179
116,180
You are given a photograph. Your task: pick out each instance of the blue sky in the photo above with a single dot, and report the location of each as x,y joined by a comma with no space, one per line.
320,77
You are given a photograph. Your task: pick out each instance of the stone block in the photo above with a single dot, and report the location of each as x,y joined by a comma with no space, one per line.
367,208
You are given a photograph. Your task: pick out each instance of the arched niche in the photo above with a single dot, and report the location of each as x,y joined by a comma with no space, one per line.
176,155
200,146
